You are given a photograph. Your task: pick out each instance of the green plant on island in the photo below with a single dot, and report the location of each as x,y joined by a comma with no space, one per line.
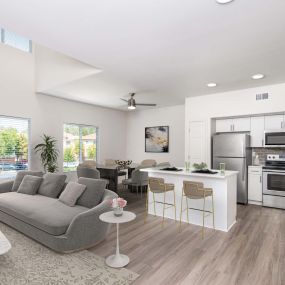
200,166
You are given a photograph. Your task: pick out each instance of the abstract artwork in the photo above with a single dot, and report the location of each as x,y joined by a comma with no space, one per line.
157,139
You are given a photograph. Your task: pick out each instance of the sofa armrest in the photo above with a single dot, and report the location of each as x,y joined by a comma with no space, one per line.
88,223
6,186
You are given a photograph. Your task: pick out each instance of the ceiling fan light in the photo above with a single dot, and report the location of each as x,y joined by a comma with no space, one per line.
131,107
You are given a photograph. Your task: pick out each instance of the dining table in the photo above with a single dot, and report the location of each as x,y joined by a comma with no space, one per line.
111,172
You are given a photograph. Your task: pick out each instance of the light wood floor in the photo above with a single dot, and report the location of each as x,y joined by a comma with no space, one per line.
253,252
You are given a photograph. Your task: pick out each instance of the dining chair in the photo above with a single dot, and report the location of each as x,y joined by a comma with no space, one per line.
137,180
85,170
148,163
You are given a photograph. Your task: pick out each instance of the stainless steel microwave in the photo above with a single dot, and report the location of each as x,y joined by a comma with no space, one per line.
274,138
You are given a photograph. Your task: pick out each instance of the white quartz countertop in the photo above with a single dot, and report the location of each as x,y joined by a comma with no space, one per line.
189,173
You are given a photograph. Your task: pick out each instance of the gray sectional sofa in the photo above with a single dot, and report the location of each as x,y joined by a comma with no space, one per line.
56,225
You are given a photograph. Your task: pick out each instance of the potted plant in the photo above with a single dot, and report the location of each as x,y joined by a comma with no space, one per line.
48,153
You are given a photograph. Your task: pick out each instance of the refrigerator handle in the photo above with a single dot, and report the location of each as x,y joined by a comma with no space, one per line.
243,169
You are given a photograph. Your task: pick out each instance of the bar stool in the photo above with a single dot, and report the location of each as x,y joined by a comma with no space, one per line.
158,186
195,190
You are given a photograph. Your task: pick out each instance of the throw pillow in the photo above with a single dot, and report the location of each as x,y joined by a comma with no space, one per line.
21,174
71,193
52,184
30,185
94,192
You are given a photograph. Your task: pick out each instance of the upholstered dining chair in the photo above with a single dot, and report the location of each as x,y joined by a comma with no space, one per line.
158,186
148,163
195,190
89,171
163,164
137,180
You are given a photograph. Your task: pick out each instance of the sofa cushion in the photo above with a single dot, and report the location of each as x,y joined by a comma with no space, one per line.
93,193
30,185
71,193
52,185
44,213
21,174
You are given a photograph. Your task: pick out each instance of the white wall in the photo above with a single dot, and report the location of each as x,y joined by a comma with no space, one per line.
234,103
168,116
47,114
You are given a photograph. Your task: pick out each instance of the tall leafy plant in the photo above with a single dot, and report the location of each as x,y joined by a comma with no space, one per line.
48,153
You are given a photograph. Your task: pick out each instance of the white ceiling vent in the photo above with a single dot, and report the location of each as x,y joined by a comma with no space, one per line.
262,96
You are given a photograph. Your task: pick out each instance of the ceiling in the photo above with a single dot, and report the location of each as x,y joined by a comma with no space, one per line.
165,50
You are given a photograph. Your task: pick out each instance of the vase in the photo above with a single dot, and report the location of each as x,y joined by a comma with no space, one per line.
118,211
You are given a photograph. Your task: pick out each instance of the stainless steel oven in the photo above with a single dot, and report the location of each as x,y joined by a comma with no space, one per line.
274,182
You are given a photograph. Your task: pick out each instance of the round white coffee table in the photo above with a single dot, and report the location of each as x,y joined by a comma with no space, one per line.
117,260
5,245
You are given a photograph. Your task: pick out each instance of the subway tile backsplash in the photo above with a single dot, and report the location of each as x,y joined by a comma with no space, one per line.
262,152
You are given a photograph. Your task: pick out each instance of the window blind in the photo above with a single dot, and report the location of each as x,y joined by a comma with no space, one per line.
14,145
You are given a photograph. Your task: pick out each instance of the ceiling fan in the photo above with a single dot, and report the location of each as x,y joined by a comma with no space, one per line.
132,102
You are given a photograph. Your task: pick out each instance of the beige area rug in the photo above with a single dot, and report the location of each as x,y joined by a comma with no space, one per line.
28,262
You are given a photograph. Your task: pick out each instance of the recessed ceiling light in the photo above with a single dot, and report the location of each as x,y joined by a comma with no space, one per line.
212,84
224,1
257,76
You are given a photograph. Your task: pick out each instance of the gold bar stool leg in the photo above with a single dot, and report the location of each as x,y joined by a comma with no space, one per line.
187,210
154,203
181,211
213,211
163,208
203,230
146,205
174,204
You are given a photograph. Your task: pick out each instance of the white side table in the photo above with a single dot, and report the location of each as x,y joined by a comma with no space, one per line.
117,260
5,245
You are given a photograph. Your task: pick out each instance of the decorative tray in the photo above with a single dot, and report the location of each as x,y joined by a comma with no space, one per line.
205,171
171,169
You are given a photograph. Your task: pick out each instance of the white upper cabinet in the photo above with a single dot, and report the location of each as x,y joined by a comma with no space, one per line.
233,125
241,124
275,122
257,132
224,125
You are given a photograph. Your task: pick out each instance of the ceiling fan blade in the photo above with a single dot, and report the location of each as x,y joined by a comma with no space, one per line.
124,100
140,104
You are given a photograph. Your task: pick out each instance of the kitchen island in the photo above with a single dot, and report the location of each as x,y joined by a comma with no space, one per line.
225,197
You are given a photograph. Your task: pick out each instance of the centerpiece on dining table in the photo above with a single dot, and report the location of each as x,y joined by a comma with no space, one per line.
123,164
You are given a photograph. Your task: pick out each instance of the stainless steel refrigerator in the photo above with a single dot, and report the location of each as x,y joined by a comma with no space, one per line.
234,150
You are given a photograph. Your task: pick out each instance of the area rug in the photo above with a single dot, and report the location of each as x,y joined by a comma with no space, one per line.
30,263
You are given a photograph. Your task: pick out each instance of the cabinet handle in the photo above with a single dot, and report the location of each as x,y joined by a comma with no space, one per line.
262,142
281,125
260,179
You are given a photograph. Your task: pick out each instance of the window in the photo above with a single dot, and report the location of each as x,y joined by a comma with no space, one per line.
79,144
14,145
16,41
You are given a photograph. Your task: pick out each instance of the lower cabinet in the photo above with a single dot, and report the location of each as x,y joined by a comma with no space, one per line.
255,185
